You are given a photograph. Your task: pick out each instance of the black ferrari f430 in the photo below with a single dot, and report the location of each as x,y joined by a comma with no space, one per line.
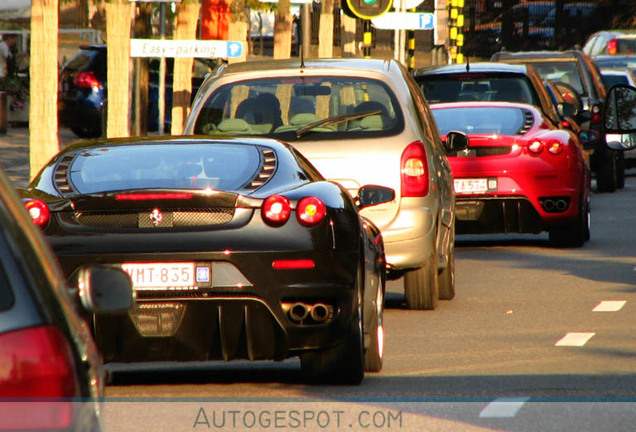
237,248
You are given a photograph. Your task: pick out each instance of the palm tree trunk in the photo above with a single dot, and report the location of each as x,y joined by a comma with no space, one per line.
325,42
187,18
118,21
282,31
43,72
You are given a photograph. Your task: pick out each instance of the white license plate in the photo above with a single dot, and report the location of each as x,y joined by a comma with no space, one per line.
157,276
478,185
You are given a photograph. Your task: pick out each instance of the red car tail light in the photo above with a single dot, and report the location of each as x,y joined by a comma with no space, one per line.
612,47
85,80
276,210
310,211
535,147
555,148
36,363
414,170
38,210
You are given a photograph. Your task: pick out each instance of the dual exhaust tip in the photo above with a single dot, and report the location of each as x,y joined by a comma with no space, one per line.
555,205
305,313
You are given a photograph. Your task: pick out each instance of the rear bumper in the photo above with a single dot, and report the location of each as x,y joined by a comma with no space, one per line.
410,238
245,312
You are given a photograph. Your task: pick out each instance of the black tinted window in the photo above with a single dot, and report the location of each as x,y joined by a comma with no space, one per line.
218,166
6,294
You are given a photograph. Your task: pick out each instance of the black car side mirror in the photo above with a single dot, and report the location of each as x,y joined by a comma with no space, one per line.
619,117
104,289
370,195
455,141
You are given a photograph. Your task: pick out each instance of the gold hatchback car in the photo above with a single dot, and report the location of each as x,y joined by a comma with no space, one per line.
359,121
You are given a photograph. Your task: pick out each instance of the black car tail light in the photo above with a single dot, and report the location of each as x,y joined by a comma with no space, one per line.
36,363
612,46
310,211
39,211
276,210
85,80
414,170
596,114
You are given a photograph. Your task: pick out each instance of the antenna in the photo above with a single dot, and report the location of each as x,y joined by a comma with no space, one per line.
467,64
302,56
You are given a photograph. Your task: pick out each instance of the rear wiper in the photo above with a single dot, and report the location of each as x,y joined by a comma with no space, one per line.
335,120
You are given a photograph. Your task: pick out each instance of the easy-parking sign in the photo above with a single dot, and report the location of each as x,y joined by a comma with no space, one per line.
405,21
185,48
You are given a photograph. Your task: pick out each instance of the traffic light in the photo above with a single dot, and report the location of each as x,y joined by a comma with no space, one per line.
365,9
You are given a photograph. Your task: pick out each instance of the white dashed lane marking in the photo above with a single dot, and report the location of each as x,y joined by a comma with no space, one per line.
503,407
609,306
574,339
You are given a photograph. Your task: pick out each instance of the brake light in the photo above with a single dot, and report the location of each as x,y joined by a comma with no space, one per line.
39,211
276,210
535,147
36,363
595,110
293,264
152,196
555,148
612,47
310,211
414,170
85,80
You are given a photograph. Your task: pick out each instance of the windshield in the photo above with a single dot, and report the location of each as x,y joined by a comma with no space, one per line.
217,166
482,120
281,106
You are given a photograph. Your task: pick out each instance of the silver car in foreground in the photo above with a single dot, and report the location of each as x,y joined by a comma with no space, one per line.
359,121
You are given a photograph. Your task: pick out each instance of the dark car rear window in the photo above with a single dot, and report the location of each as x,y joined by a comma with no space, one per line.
560,71
482,120
477,87
88,60
218,166
612,80
626,45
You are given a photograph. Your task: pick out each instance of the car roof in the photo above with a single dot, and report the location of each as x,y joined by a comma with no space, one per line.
186,139
378,65
521,55
472,68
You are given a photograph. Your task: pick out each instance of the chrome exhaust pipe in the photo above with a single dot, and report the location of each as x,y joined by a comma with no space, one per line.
548,205
561,205
298,311
320,312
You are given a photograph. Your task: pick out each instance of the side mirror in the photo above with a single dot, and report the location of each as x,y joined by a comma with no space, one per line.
370,195
620,110
589,136
619,117
455,141
104,289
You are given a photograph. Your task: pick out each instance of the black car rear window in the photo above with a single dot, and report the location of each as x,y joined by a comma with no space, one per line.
185,166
